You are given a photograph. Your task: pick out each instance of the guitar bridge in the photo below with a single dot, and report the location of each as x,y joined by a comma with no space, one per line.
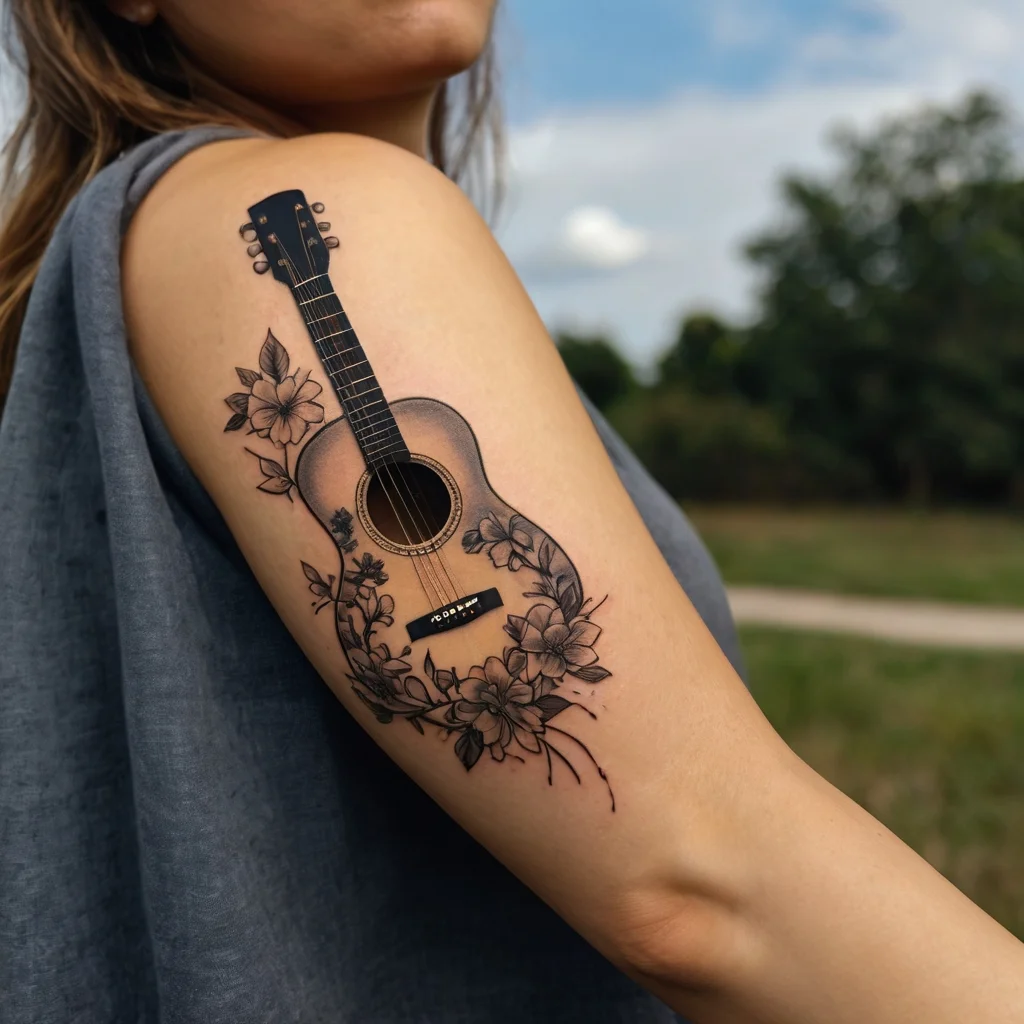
451,616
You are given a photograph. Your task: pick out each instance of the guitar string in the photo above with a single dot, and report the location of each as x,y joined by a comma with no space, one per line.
443,572
423,537
428,531
292,271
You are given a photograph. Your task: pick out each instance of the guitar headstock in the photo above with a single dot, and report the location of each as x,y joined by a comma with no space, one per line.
286,238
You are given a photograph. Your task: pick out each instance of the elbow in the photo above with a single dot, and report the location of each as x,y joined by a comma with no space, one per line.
682,943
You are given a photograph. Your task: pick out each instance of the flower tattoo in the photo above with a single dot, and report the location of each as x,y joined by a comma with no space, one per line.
500,706
276,407
284,411
552,647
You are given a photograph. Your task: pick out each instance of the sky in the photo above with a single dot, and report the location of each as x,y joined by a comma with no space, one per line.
647,137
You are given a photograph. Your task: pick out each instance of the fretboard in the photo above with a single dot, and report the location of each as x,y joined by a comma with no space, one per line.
349,371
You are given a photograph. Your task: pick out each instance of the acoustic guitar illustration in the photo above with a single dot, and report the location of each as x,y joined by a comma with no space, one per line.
435,568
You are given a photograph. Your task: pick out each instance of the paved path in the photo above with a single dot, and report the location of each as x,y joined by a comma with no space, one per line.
918,622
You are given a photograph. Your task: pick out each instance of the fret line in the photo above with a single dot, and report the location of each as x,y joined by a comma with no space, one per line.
336,334
360,436
328,317
380,447
340,352
377,420
350,366
359,394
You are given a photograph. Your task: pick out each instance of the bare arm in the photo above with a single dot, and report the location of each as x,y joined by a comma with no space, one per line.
591,734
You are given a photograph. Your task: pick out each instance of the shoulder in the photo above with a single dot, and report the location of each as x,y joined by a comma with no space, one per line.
417,269
409,237
210,188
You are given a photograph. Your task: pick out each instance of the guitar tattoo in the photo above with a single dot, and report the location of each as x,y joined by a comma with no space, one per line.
432,563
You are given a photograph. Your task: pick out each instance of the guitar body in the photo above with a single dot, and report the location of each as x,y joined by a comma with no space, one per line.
466,552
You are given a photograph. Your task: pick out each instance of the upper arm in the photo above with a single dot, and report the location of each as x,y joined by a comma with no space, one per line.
595,675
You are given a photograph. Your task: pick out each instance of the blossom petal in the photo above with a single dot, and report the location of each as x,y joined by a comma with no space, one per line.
262,416
532,640
490,699
584,632
552,665
265,391
500,553
466,711
306,391
539,616
280,431
490,727
286,390
360,659
296,428
496,673
544,664
491,530
506,732
522,539
556,634
309,411
578,655
520,693
528,740
474,685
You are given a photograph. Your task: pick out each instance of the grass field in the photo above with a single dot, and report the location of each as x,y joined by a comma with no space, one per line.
930,742
942,556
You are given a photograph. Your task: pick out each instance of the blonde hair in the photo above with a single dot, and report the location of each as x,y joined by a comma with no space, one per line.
96,84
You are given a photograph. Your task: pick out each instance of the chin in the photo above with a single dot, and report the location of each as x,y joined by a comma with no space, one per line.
350,50
435,39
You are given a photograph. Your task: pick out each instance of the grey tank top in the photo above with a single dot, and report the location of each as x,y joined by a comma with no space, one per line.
192,829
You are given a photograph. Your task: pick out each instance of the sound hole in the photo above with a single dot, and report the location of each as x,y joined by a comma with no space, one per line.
408,502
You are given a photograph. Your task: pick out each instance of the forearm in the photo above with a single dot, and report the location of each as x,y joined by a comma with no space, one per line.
818,913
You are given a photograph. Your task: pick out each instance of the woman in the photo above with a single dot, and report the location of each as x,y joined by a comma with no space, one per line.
194,827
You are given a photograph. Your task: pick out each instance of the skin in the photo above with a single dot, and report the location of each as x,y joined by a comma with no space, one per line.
732,881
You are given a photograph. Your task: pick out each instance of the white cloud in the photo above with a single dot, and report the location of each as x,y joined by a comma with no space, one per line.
696,175
596,237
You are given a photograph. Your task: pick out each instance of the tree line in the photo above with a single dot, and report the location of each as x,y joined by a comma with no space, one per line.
885,358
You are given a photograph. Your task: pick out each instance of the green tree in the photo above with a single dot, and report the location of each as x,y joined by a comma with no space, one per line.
892,314
704,356
596,365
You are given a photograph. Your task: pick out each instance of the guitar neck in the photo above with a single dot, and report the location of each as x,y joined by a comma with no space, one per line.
350,373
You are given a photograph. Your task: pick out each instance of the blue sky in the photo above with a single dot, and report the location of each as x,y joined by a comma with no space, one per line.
648,136
572,53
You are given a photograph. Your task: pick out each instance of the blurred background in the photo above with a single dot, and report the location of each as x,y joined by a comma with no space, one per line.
780,244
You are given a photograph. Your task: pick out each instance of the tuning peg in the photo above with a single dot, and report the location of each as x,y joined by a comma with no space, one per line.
255,249
248,232
317,207
324,225
331,242
261,266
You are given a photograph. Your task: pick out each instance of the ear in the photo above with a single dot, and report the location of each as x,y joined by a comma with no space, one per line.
139,12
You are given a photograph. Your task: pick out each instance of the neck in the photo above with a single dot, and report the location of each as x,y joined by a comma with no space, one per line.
400,120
